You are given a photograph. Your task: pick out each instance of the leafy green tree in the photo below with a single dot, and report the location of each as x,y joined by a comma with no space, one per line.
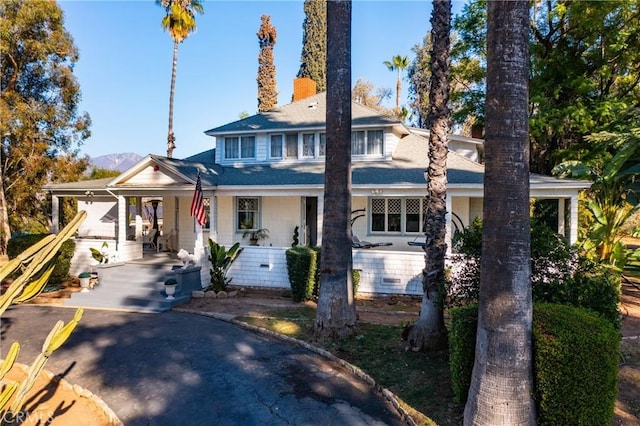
336,313
419,75
584,74
614,195
101,173
179,22
429,331
502,380
398,63
314,43
40,126
267,90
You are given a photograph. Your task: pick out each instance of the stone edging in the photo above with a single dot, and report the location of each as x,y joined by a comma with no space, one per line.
390,396
80,391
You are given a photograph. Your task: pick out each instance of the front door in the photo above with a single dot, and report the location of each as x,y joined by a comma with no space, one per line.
311,221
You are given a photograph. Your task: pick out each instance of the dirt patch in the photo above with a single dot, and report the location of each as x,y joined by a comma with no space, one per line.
54,401
392,310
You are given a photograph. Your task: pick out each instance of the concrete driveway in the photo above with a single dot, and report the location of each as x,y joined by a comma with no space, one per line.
182,369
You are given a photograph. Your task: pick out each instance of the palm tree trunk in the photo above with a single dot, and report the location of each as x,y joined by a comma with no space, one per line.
502,381
429,331
398,90
336,313
170,136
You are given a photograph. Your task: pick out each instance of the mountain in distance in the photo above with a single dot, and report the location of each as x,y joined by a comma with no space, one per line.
119,162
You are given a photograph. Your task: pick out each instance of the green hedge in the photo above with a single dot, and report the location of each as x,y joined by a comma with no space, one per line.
60,272
462,347
302,275
301,266
576,356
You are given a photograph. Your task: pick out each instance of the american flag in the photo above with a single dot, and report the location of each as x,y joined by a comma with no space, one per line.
197,204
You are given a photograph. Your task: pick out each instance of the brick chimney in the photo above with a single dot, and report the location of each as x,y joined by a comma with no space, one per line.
303,87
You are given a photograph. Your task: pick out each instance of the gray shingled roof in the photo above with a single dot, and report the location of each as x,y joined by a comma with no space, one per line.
308,113
407,167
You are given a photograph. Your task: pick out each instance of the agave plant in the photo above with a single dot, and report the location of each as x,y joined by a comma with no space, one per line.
221,260
36,263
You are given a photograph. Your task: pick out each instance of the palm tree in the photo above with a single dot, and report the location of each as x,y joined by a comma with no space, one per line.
429,331
502,380
336,313
398,63
180,21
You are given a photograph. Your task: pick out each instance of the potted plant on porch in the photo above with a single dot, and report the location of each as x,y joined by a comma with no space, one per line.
256,235
170,288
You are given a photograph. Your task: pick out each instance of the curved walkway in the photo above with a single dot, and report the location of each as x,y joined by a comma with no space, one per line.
182,369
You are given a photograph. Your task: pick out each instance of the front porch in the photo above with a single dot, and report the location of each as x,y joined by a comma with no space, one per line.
138,285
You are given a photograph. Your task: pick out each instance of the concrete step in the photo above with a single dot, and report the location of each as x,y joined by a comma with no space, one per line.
136,287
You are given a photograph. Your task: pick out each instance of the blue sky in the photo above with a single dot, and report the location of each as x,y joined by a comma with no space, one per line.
124,68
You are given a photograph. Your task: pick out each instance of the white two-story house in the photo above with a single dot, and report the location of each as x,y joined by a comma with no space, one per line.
267,171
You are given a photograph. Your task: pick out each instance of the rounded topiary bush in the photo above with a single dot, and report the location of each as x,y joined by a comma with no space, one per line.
60,272
301,267
576,357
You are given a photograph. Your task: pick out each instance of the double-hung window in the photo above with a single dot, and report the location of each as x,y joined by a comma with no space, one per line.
386,215
239,147
308,145
404,215
248,210
369,142
292,145
275,150
322,145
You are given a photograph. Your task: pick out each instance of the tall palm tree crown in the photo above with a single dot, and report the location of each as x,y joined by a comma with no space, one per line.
398,63
179,22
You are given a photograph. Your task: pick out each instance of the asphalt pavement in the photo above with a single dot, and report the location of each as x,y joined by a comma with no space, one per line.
177,368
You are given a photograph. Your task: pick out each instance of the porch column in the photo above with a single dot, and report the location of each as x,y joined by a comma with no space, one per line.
573,218
561,221
55,214
121,233
447,236
213,218
320,217
138,219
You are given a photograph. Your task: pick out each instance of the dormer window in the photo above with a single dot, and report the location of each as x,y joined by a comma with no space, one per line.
367,142
239,147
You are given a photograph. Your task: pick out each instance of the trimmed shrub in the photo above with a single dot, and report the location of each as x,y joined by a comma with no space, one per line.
60,272
462,349
301,267
575,362
558,273
576,366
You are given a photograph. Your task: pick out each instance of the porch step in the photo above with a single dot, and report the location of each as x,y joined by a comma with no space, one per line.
134,287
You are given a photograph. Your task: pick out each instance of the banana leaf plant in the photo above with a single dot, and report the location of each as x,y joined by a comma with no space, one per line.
221,260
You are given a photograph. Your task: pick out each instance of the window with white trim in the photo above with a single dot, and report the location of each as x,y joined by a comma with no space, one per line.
248,211
322,145
292,145
386,215
309,145
369,142
275,149
405,215
239,147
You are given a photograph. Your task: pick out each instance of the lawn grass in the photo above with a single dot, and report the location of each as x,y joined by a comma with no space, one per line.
419,379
